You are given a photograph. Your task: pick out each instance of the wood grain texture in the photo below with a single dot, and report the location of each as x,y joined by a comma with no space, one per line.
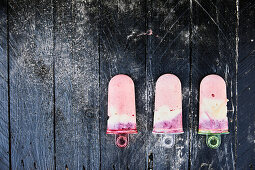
122,51
168,52
4,132
77,85
31,91
246,87
213,52
62,55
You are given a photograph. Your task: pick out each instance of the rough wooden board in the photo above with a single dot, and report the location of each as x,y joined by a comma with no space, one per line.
168,52
122,51
4,132
123,47
31,75
213,52
246,87
77,83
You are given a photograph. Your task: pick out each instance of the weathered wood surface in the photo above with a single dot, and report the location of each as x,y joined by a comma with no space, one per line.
77,85
4,135
246,87
31,87
122,51
213,48
168,52
62,55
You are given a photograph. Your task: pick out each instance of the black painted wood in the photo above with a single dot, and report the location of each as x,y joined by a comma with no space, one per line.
4,133
213,52
62,55
77,85
122,51
246,87
168,52
31,87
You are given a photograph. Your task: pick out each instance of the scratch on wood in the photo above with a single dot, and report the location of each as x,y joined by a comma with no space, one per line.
213,20
231,93
236,60
169,30
226,151
226,73
232,155
190,84
208,14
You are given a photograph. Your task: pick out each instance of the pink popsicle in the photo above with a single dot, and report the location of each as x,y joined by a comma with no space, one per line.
168,105
213,105
121,106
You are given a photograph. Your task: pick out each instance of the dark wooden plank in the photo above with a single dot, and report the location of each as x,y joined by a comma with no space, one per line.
246,87
168,52
122,51
213,52
4,132
31,77
77,83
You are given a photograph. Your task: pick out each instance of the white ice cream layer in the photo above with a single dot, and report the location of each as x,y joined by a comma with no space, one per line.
115,118
217,109
164,113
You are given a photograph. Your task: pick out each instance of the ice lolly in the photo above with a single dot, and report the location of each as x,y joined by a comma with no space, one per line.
213,119
168,105
121,108
213,106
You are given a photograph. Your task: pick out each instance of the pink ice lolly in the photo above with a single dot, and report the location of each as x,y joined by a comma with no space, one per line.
168,105
213,106
121,106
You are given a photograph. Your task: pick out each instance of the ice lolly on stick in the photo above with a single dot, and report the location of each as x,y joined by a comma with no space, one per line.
213,105
121,109
168,105
213,109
